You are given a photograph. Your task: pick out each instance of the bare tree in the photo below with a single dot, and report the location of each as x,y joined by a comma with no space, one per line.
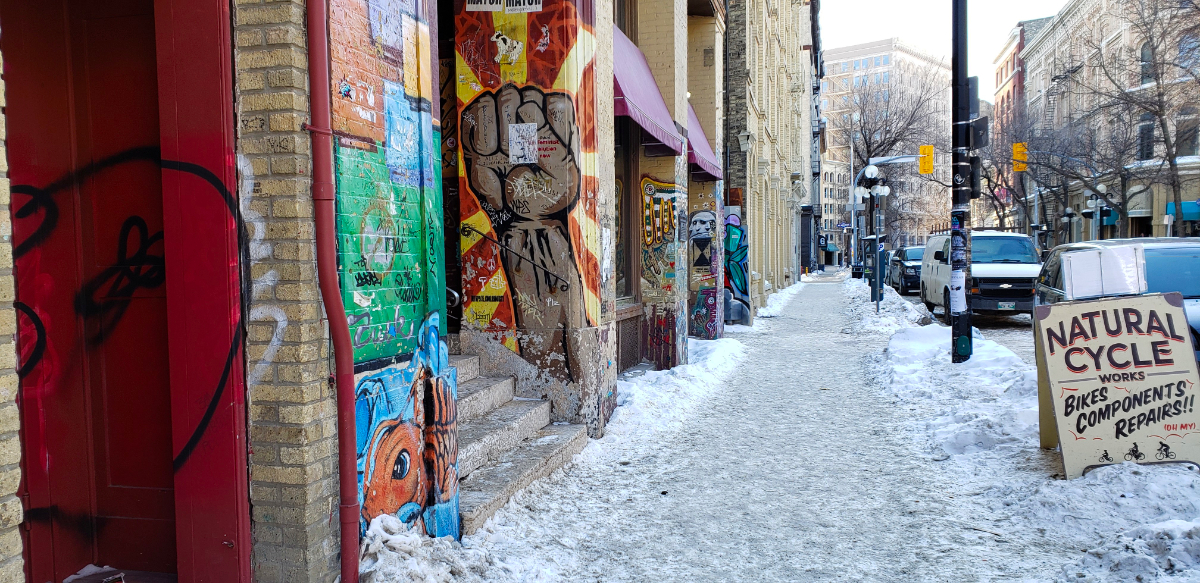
1148,78
893,113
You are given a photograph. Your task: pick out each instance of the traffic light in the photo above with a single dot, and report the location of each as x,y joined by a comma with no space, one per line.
925,162
1020,156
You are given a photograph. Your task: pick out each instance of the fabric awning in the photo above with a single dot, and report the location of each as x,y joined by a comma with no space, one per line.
699,152
1191,210
830,247
637,96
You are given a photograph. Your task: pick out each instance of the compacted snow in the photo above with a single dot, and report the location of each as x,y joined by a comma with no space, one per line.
824,443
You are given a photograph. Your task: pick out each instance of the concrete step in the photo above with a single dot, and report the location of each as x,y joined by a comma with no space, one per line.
486,438
467,365
480,396
488,488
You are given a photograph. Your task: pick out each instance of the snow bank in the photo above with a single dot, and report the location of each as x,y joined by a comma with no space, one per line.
393,553
978,422
661,400
778,300
894,314
1162,551
648,406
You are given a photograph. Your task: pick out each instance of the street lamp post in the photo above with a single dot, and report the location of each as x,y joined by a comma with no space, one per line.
1097,205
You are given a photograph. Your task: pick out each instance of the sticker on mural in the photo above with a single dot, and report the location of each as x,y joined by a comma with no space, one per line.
522,143
408,439
507,6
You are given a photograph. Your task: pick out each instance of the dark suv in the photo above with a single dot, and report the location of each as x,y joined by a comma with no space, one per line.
904,271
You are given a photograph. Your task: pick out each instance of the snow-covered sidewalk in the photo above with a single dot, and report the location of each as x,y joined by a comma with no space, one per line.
544,532
978,422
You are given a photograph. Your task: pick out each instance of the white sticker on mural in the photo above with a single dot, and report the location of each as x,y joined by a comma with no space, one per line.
485,5
520,6
522,143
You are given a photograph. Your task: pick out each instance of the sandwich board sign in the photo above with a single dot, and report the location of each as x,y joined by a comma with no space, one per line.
1119,378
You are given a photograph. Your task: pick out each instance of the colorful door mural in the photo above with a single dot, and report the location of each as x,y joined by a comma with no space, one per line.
666,324
527,175
391,258
706,261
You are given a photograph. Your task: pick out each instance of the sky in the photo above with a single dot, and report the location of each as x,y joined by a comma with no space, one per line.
925,24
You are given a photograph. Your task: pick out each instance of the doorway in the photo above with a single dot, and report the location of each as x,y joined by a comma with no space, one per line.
125,440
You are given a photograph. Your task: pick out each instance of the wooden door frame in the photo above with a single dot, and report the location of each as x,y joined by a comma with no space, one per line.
205,312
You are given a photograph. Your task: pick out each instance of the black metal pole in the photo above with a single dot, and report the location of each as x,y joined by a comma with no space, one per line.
960,213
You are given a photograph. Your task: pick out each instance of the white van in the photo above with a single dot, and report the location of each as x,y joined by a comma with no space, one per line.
1004,267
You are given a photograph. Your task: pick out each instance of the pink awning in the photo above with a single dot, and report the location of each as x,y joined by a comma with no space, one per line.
637,96
699,152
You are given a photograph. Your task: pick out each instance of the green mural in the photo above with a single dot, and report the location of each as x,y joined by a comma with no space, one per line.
390,251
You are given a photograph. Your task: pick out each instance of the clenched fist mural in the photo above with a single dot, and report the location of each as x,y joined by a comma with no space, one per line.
528,205
527,181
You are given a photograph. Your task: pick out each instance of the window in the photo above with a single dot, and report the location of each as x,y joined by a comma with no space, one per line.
1147,63
885,94
885,76
1187,134
625,16
845,67
824,85
878,61
1146,137
877,77
627,138
857,64
1189,51
824,104
887,59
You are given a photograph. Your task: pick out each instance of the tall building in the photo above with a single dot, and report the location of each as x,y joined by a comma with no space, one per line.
773,67
1007,109
878,72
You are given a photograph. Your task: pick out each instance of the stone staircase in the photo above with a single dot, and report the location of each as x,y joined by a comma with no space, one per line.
504,443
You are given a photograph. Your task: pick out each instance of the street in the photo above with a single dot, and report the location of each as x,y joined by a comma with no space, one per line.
1013,332
813,454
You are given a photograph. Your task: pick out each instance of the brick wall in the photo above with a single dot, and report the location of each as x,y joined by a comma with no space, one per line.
293,483
736,113
11,562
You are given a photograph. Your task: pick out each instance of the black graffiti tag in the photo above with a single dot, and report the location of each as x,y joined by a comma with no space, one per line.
127,275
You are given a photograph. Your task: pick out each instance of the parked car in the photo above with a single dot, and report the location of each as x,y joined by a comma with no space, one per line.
1003,269
904,270
1172,265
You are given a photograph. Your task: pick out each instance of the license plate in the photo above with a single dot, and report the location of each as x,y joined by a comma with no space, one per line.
1006,305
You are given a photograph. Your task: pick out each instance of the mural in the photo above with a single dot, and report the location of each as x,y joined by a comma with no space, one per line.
706,264
527,174
408,439
665,328
737,267
388,156
391,258
658,239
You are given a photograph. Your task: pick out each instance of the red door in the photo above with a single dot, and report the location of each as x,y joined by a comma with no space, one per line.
82,93
126,249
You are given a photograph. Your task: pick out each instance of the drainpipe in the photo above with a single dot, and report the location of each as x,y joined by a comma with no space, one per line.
339,329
